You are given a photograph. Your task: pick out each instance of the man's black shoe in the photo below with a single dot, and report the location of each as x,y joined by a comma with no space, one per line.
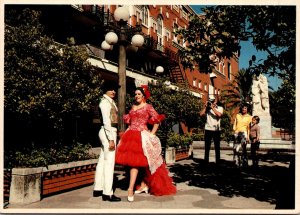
111,198
97,193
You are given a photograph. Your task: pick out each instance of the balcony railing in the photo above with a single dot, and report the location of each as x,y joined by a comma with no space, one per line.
107,20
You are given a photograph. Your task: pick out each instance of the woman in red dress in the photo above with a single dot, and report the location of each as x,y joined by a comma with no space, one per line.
140,149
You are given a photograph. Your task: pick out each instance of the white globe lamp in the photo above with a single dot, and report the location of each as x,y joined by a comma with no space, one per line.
137,40
105,46
121,14
111,38
159,69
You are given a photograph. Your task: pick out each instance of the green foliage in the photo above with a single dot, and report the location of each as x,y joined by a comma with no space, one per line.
178,105
43,79
238,91
173,139
283,116
221,28
177,140
49,90
226,127
198,134
44,156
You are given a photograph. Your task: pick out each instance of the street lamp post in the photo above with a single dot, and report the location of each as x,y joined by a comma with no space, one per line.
121,15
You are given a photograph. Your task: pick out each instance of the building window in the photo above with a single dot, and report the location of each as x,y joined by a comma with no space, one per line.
175,7
184,15
138,17
154,27
159,25
175,28
145,16
199,85
229,70
168,36
194,82
220,67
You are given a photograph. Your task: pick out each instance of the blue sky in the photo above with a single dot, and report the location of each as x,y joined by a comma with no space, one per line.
247,50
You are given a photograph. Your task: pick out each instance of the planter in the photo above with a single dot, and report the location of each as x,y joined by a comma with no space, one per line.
31,184
62,177
182,153
176,154
6,184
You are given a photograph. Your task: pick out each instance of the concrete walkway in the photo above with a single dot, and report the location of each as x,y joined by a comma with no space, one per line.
201,189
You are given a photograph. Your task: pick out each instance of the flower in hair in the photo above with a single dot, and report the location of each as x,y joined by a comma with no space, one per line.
146,91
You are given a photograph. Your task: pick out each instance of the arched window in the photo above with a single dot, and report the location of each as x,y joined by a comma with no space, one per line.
145,15
159,25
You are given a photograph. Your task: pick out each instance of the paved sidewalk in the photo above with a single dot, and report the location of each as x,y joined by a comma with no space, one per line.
201,189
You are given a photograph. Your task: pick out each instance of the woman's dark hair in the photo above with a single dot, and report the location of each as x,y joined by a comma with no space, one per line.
142,91
244,105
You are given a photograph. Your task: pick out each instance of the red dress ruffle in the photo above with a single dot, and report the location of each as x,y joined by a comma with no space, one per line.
129,151
160,183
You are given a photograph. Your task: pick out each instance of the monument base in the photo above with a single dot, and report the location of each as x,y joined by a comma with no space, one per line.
265,127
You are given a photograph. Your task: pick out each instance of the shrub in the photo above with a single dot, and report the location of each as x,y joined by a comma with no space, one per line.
176,140
38,156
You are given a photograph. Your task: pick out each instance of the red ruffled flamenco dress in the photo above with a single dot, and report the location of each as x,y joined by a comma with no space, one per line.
138,148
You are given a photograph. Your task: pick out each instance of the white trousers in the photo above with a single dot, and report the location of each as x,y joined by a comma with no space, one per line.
105,168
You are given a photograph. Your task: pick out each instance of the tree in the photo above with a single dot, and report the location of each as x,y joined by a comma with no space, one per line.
238,91
221,28
45,83
180,106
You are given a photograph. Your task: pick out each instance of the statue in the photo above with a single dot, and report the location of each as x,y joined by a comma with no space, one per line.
260,95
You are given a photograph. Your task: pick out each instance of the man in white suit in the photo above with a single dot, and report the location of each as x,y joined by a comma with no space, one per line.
108,136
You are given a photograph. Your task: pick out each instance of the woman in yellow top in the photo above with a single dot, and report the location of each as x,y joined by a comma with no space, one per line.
241,128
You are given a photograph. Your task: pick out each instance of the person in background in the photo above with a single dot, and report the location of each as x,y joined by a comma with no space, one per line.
140,149
213,114
241,128
108,136
254,139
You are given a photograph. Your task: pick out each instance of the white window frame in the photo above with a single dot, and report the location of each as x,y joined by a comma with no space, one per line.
145,16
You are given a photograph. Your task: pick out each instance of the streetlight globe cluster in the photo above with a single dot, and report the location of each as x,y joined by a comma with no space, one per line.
121,15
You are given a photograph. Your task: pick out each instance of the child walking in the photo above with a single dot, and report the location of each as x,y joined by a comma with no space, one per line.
254,139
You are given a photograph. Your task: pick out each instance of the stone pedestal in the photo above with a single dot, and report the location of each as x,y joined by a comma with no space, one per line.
25,185
265,127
